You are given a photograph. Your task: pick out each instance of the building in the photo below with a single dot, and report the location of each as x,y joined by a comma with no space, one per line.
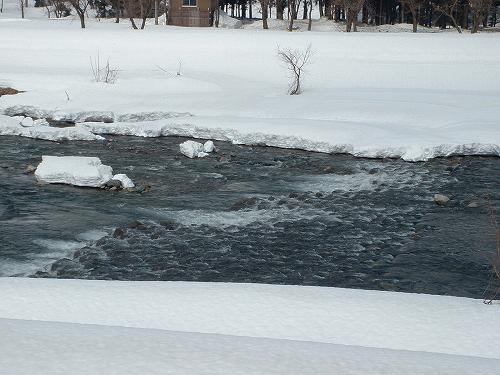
191,12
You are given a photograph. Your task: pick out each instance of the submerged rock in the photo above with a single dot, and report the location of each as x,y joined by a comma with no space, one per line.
441,199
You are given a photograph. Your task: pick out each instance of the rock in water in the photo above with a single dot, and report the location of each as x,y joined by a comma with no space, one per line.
126,182
73,170
441,199
208,147
191,149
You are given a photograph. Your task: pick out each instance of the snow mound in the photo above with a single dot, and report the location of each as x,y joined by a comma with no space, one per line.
73,170
127,183
228,22
193,149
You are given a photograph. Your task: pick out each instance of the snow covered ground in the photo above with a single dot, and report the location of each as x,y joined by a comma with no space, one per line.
91,327
370,94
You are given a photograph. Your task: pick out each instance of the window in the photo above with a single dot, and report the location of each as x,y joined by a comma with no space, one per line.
189,3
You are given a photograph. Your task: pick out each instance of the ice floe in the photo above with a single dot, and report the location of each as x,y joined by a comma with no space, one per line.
73,170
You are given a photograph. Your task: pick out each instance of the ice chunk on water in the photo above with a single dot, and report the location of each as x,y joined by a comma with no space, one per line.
191,149
127,183
73,170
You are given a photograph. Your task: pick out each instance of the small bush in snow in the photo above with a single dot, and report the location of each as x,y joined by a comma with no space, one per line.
295,61
103,73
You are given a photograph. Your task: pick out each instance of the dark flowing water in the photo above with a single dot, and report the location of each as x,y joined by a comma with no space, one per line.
251,214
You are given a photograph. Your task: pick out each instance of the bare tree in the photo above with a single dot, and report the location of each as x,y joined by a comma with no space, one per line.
80,7
21,3
264,5
480,10
449,9
295,61
352,9
414,6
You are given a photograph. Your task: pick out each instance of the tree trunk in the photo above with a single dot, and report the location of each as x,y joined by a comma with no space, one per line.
1,7
348,21
309,24
143,24
415,23
263,4
291,6
81,14
22,9
328,9
157,5
279,9
304,14
250,15
134,26
320,5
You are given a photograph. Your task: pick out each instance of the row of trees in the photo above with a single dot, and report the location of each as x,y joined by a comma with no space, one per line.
461,14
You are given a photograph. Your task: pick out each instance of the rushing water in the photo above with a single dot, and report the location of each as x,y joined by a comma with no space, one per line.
251,214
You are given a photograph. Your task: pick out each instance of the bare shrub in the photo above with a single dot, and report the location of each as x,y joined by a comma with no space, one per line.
295,61
103,73
493,289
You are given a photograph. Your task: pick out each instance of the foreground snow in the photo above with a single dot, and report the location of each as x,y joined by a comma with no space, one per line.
368,94
193,328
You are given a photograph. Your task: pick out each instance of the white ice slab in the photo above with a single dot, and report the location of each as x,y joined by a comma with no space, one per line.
73,170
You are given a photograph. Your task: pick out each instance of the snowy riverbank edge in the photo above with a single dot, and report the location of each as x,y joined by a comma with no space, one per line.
359,140
390,320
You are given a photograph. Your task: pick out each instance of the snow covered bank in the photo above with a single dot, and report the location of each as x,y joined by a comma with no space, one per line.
14,126
35,347
372,94
416,144
73,170
398,321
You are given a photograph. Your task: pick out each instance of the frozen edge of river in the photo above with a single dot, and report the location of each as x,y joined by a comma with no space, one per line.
323,136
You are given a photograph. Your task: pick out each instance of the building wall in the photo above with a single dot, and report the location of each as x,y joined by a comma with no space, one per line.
199,15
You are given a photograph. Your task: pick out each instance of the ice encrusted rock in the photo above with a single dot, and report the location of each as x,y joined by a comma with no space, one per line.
27,122
73,170
208,147
193,149
127,183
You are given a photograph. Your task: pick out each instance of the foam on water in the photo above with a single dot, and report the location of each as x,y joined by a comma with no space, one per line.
239,218
49,250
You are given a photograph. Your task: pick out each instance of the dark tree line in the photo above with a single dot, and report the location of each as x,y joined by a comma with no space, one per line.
460,14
